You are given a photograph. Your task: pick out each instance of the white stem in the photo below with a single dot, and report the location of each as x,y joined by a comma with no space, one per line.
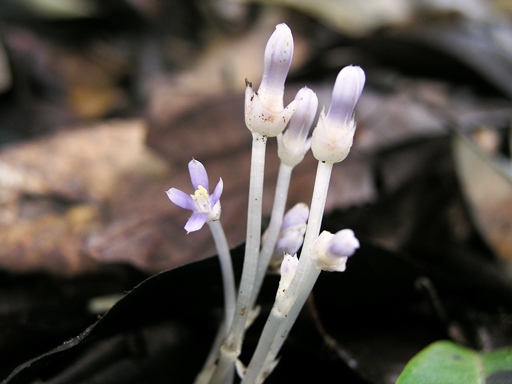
285,324
228,277
274,227
231,348
286,310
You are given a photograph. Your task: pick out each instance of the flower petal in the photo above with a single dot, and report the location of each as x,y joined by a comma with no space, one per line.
216,193
181,199
195,222
198,175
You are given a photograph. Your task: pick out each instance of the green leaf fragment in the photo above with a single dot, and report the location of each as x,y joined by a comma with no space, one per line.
448,363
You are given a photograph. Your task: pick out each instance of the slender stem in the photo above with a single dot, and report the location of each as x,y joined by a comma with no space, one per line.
316,213
286,322
228,277
286,310
230,350
274,227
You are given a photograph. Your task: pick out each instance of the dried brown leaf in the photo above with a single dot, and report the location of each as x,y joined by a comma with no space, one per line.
53,190
82,164
51,242
488,190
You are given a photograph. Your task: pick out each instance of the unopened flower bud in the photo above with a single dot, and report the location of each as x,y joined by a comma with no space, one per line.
292,232
330,251
278,58
334,134
293,144
264,111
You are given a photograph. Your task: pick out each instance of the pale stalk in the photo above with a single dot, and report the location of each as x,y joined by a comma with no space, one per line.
231,348
286,310
274,227
228,279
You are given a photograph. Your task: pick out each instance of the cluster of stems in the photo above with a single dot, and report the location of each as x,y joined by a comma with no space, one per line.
266,117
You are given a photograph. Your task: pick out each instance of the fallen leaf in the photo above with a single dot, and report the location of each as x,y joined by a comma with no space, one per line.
83,164
488,189
52,242
54,190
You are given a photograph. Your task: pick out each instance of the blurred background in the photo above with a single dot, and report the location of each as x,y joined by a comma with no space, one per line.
103,103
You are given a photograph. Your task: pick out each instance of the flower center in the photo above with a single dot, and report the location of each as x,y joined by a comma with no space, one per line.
202,198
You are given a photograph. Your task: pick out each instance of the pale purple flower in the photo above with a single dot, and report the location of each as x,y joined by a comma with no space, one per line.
331,251
205,207
293,144
334,134
264,112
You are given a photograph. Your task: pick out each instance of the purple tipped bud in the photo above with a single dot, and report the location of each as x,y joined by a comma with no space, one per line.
344,243
334,134
330,252
278,58
264,112
345,95
294,143
292,231
296,215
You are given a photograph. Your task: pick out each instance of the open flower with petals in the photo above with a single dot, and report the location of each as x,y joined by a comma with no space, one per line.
264,111
205,207
334,133
331,251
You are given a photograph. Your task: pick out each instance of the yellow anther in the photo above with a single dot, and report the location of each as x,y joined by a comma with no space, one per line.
200,193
